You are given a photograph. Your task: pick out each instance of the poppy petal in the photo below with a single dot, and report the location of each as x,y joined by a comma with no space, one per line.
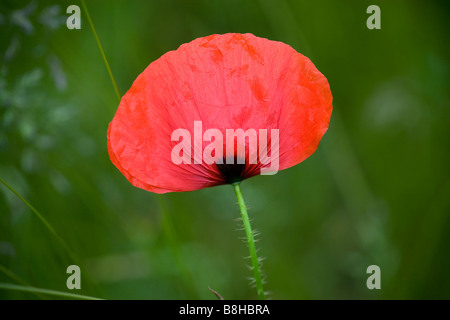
225,81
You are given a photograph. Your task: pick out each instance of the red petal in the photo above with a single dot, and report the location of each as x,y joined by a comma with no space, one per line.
226,81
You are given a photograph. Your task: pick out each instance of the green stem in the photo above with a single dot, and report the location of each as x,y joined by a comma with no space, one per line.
251,242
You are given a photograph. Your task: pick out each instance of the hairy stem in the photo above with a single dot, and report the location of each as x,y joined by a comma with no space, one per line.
250,241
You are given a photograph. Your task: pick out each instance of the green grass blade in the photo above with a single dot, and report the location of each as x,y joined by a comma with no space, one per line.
52,230
12,275
40,217
16,278
166,221
116,89
9,286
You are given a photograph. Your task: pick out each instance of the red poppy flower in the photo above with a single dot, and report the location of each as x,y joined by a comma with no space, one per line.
230,81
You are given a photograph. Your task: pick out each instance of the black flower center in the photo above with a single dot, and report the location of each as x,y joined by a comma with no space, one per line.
232,172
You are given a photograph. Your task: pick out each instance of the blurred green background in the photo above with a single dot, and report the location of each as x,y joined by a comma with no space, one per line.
376,192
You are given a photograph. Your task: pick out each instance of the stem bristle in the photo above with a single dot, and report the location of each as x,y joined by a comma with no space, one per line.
258,279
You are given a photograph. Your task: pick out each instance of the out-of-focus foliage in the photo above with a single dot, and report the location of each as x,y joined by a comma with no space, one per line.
376,191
